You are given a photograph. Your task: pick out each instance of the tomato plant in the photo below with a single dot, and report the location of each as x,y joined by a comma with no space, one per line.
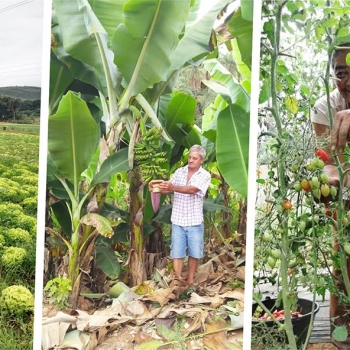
300,204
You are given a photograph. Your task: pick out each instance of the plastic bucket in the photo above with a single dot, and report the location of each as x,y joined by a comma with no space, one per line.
300,324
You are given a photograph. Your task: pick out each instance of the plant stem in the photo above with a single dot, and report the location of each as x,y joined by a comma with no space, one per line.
282,182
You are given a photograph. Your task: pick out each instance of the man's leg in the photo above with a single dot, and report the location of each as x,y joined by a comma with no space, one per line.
178,248
177,266
192,267
195,249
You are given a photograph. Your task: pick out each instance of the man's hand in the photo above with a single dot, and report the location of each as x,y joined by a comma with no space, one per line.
153,184
340,130
166,187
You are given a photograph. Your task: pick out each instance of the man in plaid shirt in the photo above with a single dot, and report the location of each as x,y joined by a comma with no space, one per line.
189,185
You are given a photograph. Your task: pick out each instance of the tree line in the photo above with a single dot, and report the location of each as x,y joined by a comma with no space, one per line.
13,109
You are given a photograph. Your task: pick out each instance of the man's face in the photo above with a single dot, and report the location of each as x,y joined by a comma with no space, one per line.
342,73
194,161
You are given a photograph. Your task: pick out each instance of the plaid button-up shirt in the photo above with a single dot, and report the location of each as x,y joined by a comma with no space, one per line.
188,208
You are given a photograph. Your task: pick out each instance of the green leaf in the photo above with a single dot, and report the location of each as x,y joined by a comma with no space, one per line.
242,30
247,10
141,53
232,158
107,261
164,214
347,59
197,35
292,104
93,295
100,223
227,85
340,333
80,29
149,345
111,212
209,206
63,217
110,13
58,85
71,146
114,164
242,68
179,117
167,333
330,22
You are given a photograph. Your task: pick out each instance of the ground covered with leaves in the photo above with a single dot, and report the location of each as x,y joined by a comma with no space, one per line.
162,313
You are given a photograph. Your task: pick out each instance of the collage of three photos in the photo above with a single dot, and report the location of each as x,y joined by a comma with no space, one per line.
174,175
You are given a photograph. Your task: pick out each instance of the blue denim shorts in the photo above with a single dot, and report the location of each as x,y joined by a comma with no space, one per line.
190,237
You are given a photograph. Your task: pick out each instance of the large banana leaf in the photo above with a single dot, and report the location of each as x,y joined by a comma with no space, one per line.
242,68
77,25
209,119
164,212
107,260
247,10
179,116
242,30
232,147
116,163
61,77
110,13
143,43
72,137
76,68
226,84
195,42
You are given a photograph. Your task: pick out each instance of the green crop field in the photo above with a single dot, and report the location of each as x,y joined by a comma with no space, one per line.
19,158
31,129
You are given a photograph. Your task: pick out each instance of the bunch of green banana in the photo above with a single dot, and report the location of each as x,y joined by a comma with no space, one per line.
148,155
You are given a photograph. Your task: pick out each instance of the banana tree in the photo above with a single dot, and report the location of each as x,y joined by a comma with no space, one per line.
112,53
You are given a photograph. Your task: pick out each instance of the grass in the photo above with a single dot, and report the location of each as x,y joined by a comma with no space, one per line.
16,334
31,129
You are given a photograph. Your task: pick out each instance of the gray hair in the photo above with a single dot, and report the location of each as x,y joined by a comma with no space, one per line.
199,149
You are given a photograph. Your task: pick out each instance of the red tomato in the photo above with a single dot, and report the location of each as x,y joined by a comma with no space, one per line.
320,153
305,185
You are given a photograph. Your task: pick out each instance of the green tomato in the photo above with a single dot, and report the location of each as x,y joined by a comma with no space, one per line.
279,208
267,237
310,167
316,193
324,178
297,186
320,164
314,183
302,225
333,191
276,253
271,262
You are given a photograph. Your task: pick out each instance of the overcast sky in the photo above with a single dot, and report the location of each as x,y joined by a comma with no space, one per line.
21,26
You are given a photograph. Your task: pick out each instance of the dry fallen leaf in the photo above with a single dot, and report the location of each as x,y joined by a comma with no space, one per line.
141,337
217,340
237,293
161,296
